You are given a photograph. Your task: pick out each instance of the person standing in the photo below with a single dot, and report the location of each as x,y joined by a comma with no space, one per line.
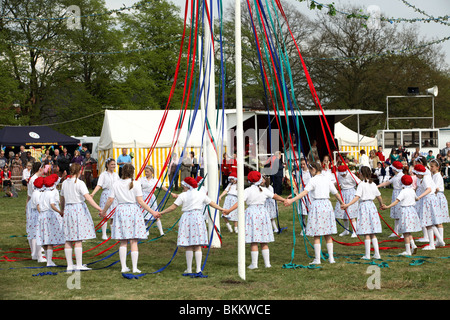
78,224
368,221
123,159
128,226
194,165
192,232
278,172
321,219
173,174
185,167
258,228
409,220
105,182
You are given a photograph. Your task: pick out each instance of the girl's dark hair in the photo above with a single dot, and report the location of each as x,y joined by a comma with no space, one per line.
108,161
437,162
267,181
366,174
75,168
128,172
35,168
315,166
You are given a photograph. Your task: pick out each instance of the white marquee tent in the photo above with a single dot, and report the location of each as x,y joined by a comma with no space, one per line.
137,130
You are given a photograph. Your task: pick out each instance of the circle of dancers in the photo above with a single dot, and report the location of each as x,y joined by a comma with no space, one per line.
54,218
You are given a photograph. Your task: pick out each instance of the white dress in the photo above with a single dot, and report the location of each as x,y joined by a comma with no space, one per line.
347,185
321,219
368,220
51,224
78,224
230,200
258,227
106,180
147,187
191,227
408,219
128,220
442,200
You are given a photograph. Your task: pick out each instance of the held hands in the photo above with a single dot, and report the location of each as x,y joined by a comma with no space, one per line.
288,202
344,206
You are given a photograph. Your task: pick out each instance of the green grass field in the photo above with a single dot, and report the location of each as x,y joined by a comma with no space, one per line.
426,279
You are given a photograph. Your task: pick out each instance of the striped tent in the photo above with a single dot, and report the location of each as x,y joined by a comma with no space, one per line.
137,130
348,141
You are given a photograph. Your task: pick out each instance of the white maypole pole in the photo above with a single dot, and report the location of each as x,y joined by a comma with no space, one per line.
211,161
239,142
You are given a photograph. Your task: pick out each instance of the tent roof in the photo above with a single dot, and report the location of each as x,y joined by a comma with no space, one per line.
34,136
139,128
347,137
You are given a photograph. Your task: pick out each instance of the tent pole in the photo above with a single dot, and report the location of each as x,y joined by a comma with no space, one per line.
239,142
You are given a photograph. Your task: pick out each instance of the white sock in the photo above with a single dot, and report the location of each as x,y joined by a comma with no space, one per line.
317,250
412,243
266,257
346,224
437,234
159,225
33,248
68,253
104,227
189,256
198,260
367,247
408,249
123,257
330,252
375,247
236,229
30,243
274,225
396,226
254,256
441,232
431,237
79,256
49,255
425,232
38,252
134,260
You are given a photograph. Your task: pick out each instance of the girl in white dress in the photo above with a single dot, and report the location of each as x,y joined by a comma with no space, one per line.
435,168
271,204
230,194
128,225
306,201
78,224
397,168
192,232
148,183
258,229
33,207
347,182
409,220
321,219
368,221
32,215
429,213
105,182
50,231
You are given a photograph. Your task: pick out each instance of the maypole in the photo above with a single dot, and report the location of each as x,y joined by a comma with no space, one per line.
239,141
211,161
